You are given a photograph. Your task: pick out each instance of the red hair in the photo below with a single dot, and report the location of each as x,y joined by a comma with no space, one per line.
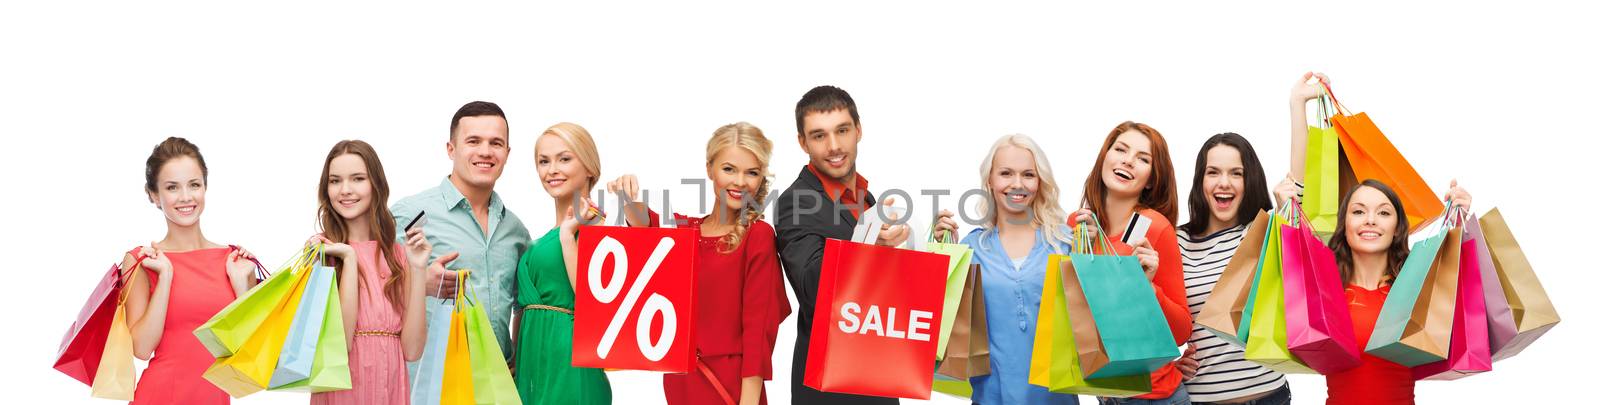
1160,193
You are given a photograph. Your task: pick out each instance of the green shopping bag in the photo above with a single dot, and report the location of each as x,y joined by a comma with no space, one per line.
956,277
1268,343
231,326
1133,331
1271,240
1054,364
1414,326
491,378
330,369
1322,172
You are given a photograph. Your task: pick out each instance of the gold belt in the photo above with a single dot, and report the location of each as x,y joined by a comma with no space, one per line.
547,308
383,333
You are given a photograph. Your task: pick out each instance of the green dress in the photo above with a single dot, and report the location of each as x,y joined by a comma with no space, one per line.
545,374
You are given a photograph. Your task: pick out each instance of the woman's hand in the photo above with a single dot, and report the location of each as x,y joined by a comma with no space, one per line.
946,226
626,186
1287,191
1187,364
571,220
1459,197
417,249
155,259
241,268
1147,258
1306,89
1085,216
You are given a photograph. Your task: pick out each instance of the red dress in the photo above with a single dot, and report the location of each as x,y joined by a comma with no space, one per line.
199,289
739,303
1375,381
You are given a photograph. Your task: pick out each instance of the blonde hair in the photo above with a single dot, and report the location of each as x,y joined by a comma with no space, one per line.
1046,207
743,135
582,144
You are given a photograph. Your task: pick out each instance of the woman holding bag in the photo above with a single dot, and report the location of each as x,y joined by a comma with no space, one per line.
741,300
1228,181
187,279
1370,246
568,165
1133,176
1023,224
380,294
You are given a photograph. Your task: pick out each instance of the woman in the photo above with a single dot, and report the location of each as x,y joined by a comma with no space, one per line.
188,279
1023,224
1133,175
380,295
1370,246
742,300
568,165
1229,188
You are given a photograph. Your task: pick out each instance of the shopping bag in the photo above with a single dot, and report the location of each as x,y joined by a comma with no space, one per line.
1322,170
1413,328
1502,324
250,367
1372,156
1319,330
1225,308
231,326
650,276
871,340
85,341
491,378
1535,313
330,370
956,286
427,386
300,345
114,376
1469,333
968,349
458,387
1133,330
1054,363
1268,343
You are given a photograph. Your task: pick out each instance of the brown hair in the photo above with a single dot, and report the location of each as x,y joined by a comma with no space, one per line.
171,148
1160,194
477,109
743,135
1399,247
823,99
382,221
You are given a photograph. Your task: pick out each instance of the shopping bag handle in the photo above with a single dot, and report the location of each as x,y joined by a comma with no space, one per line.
1081,243
1336,104
261,271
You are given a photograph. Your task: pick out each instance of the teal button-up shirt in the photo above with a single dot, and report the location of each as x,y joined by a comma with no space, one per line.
493,259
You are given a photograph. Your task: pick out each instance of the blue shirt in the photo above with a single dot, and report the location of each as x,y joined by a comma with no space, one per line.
1011,307
493,259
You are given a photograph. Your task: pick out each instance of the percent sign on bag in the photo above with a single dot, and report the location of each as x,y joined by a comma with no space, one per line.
635,299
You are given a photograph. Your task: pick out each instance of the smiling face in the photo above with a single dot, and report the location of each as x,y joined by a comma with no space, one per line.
180,191
478,149
1126,170
1223,183
1369,222
830,138
560,171
349,186
1013,180
736,174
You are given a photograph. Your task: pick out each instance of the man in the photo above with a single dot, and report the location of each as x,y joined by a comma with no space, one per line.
467,223
826,201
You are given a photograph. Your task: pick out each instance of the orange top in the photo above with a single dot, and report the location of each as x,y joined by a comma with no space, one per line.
1170,293
1375,381
836,191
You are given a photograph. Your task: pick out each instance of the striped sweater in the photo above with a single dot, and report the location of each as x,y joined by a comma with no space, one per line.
1224,373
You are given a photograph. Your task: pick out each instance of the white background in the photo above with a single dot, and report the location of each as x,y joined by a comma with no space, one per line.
1499,96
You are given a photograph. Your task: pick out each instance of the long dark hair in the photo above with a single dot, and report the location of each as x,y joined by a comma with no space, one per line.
1399,248
1253,198
382,227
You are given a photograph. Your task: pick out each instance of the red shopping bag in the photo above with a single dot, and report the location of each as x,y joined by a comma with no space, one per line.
1469,334
879,310
634,308
1317,317
85,341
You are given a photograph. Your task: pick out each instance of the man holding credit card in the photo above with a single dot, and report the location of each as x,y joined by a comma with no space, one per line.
466,221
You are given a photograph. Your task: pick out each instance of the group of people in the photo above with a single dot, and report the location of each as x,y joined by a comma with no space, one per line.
391,279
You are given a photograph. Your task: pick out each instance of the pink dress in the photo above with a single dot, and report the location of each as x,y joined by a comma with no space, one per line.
377,361
200,288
